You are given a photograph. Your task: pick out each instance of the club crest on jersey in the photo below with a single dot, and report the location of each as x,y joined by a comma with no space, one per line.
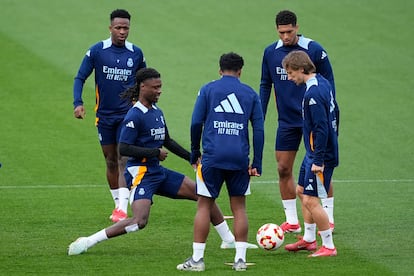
130,62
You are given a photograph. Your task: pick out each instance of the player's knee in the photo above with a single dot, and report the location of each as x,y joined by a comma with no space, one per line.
111,164
142,223
284,171
310,202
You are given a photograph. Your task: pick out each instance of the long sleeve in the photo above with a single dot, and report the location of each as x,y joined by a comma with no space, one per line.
265,86
258,136
196,129
85,70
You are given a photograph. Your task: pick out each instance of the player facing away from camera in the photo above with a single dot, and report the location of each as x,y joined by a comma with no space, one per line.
320,136
289,104
115,62
221,117
144,135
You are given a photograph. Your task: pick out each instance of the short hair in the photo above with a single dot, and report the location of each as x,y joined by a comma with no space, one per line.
142,75
231,62
286,17
296,60
119,13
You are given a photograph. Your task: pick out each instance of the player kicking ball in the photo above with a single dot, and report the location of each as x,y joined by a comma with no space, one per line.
144,135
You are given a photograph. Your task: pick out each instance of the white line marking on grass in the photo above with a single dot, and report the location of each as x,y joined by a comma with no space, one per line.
349,181
51,186
77,186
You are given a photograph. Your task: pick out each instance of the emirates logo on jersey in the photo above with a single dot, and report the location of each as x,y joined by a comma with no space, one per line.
130,62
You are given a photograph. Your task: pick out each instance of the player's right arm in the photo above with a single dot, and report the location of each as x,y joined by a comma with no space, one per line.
197,121
85,70
79,112
265,85
140,152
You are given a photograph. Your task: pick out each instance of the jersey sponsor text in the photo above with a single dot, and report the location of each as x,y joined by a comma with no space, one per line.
158,133
115,73
228,128
281,72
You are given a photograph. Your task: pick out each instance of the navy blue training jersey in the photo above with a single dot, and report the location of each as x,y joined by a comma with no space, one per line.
320,123
221,115
143,127
288,100
115,68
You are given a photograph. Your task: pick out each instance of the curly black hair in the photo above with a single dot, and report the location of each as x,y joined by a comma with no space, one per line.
231,61
119,13
286,17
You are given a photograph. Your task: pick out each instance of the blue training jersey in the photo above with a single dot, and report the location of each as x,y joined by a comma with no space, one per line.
115,68
320,128
143,127
288,95
221,116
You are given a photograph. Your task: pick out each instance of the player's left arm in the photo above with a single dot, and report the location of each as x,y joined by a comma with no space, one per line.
320,128
175,148
324,67
322,63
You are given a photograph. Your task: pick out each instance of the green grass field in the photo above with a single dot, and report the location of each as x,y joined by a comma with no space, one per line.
52,180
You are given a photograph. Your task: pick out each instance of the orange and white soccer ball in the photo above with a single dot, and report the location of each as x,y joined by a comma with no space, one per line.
270,236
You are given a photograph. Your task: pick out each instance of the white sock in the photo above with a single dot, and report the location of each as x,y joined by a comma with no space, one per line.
327,239
309,234
328,206
224,232
115,196
123,199
240,251
97,237
198,250
290,211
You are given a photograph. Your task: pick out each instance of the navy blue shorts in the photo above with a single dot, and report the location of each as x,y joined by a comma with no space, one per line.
288,139
109,130
145,181
210,180
314,184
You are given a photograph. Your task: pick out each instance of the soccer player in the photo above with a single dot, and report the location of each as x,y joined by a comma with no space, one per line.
320,137
115,61
221,117
144,134
289,104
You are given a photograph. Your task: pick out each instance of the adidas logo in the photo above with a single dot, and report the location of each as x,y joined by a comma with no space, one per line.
309,188
229,105
130,124
312,101
324,55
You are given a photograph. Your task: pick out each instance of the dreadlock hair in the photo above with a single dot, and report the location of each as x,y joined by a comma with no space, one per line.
142,75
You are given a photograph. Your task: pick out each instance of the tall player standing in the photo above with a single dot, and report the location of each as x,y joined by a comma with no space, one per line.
289,105
115,62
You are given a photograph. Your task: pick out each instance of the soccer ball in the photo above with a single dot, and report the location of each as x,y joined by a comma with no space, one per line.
270,236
